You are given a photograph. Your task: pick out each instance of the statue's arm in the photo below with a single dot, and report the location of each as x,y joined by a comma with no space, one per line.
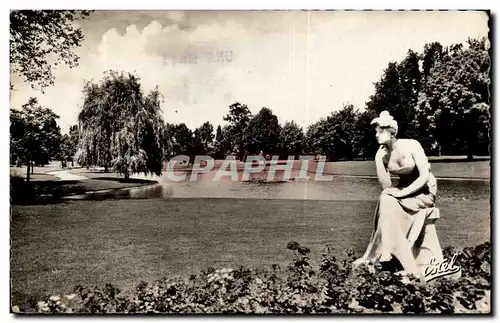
383,175
422,164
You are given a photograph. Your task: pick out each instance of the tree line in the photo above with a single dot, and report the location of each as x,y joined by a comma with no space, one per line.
440,97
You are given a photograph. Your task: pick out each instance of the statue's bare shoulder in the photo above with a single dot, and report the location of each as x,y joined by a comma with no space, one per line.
409,144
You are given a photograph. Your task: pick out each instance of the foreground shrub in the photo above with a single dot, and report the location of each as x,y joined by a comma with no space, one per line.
335,287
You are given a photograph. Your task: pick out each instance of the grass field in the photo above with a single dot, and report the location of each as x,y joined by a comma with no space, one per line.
55,247
39,173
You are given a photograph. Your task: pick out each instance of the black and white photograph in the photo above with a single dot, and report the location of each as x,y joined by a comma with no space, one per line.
290,162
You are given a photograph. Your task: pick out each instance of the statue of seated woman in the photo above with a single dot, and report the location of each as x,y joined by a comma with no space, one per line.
402,209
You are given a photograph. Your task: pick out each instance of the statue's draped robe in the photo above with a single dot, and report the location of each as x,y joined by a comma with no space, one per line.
398,222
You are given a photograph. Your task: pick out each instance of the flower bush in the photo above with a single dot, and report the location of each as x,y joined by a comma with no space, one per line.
334,287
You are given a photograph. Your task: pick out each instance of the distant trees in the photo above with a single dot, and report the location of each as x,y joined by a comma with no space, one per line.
39,36
180,140
332,136
120,126
335,135
35,136
69,144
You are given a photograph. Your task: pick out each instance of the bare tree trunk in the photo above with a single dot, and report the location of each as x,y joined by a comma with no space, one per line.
470,149
28,173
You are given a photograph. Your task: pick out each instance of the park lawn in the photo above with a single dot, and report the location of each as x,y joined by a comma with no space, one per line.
40,177
39,172
35,177
94,173
55,247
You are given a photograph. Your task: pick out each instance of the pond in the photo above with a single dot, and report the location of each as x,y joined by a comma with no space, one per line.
339,188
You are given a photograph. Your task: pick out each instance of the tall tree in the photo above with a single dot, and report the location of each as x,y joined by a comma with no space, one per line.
35,136
39,36
455,98
291,140
204,137
340,128
410,79
386,96
238,118
433,54
397,92
218,134
364,142
121,127
95,121
223,142
74,134
150,132
318,140
169,140
262,133
184,141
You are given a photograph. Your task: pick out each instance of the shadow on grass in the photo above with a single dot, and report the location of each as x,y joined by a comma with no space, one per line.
42,192
127,181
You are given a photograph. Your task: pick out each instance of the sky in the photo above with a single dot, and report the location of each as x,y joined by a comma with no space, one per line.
302,65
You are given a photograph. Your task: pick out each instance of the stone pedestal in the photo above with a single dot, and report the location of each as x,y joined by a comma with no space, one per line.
427,245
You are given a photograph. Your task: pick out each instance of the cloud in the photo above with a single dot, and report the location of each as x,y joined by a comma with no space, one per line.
176,16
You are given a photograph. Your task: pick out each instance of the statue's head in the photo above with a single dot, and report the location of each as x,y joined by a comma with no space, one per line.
386,127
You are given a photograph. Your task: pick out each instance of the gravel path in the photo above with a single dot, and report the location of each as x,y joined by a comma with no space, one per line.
67,176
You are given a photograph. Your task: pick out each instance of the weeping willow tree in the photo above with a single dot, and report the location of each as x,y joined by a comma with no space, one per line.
94,140
121,127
